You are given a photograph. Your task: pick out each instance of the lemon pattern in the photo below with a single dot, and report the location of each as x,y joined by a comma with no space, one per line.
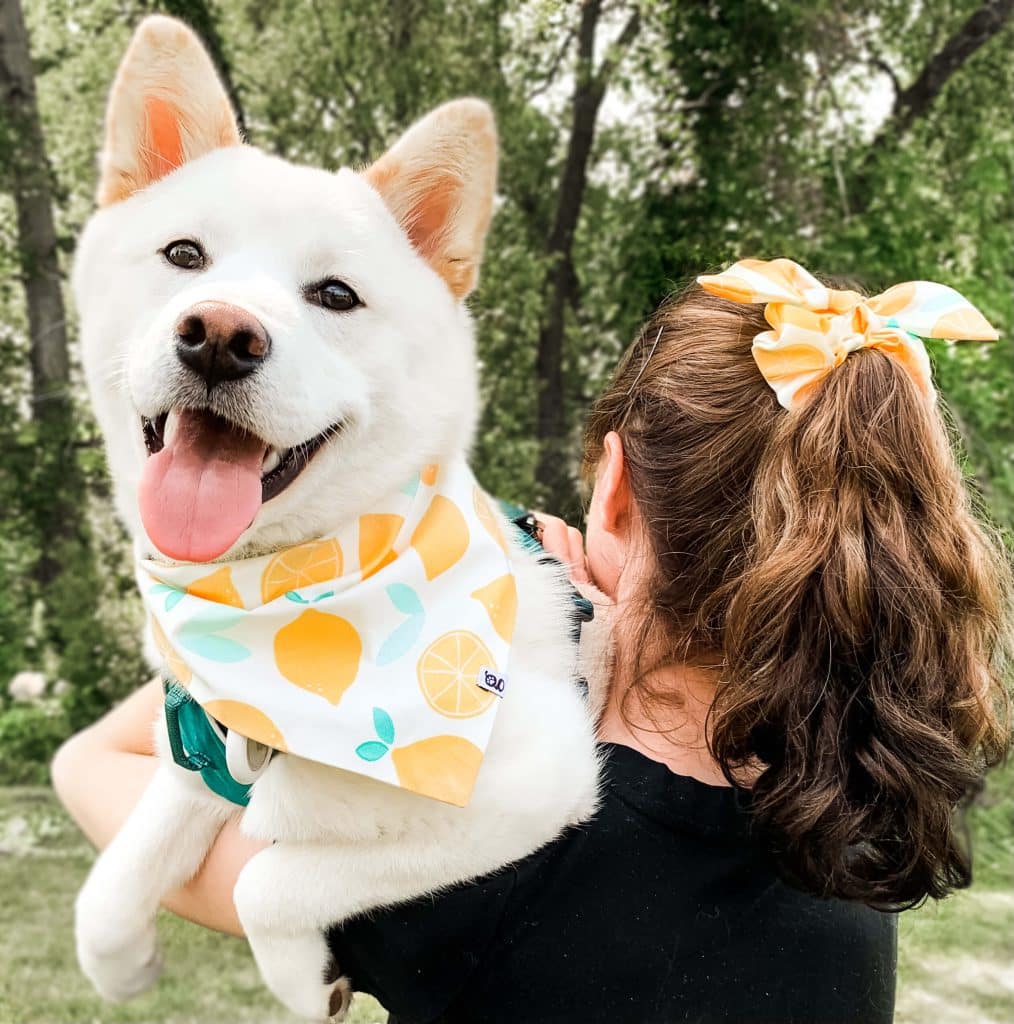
377,534
381,649
443,767
447,671
442,537
247,721
217,587
319,652
500,599
301,566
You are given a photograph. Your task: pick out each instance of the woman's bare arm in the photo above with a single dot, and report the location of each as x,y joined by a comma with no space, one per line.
100,774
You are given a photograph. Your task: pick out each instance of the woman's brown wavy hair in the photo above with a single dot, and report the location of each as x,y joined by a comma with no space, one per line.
830,559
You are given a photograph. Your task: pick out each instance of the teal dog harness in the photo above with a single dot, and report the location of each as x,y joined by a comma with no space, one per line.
197,744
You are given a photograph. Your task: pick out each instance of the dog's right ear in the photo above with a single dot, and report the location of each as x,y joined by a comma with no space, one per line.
167,106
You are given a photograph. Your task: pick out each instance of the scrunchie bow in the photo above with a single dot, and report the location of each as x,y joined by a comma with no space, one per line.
815,328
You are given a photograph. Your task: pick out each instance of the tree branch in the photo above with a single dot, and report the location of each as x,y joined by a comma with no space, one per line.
912,103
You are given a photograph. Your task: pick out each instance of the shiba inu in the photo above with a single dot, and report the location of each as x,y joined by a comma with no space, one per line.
284,372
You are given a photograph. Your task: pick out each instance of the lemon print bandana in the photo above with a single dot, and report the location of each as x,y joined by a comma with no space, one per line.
382,650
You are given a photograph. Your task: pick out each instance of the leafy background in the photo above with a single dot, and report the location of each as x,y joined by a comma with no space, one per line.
642,142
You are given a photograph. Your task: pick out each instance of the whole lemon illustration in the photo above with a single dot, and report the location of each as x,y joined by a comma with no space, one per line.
315,562
441,537
217,586
500,599
319,652
247,721
442,767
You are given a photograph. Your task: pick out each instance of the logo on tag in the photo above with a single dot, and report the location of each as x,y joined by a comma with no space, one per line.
493,682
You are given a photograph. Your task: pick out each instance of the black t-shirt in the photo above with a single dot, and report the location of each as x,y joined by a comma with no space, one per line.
664,908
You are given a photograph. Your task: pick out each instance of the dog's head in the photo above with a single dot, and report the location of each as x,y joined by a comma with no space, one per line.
271,347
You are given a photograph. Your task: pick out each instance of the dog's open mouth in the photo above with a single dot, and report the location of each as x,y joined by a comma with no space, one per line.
206,478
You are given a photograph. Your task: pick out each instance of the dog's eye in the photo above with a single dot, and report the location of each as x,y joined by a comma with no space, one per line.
185,254
334,295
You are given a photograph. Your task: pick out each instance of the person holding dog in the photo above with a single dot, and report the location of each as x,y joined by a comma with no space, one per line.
810,629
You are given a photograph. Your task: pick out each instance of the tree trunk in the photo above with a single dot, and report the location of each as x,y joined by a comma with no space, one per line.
27,175
554,473
29,182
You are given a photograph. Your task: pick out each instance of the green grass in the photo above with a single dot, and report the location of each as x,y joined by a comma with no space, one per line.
956,958
208,979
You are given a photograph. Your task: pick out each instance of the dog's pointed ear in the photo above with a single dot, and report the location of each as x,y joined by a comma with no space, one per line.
439,181
167,106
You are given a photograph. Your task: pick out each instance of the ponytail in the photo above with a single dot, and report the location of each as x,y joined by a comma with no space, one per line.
863,643
829,562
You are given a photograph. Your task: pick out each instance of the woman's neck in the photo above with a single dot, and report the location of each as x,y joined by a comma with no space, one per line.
673,731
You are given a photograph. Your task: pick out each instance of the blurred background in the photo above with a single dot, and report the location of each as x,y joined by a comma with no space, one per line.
642,142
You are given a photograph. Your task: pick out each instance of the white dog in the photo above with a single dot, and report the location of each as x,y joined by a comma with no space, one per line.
272,351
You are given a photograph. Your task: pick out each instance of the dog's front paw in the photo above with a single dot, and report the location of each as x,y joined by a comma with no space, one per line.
301,973
118,954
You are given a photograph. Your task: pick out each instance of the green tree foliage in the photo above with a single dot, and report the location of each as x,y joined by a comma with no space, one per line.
871,140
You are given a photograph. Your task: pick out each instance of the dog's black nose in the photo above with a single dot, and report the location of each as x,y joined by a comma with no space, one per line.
221,342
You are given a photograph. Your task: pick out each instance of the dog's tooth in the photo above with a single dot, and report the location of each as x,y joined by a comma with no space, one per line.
271,460
169,430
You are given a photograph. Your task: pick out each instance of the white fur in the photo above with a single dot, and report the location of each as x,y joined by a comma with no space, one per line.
400,373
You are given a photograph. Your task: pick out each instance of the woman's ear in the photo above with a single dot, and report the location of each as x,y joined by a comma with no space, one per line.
439,181
609,519
612,488
167,106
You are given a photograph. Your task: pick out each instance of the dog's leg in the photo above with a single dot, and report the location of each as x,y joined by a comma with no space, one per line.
288,895
284,915
159,848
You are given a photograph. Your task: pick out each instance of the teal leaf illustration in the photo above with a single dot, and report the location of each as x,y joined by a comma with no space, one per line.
405,599
214,648
384,725
411,487
401,640
213,620
320,597
200,635
296,598
372,750
173,595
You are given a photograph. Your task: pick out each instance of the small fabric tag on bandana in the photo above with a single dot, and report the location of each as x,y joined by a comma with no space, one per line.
382,649
491,681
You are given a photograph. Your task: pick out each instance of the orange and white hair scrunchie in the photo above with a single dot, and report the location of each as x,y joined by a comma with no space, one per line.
815,328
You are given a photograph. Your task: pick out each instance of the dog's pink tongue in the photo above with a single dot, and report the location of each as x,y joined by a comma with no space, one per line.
203,489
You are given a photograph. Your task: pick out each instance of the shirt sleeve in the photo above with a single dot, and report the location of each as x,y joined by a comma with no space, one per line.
416,957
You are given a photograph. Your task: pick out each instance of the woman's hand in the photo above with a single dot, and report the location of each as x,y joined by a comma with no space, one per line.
596,652
565,544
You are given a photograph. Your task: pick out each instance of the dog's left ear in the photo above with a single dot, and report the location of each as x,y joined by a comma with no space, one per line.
439,181
167,106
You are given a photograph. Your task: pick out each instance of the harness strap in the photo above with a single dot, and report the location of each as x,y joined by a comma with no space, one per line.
197,746
175,699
